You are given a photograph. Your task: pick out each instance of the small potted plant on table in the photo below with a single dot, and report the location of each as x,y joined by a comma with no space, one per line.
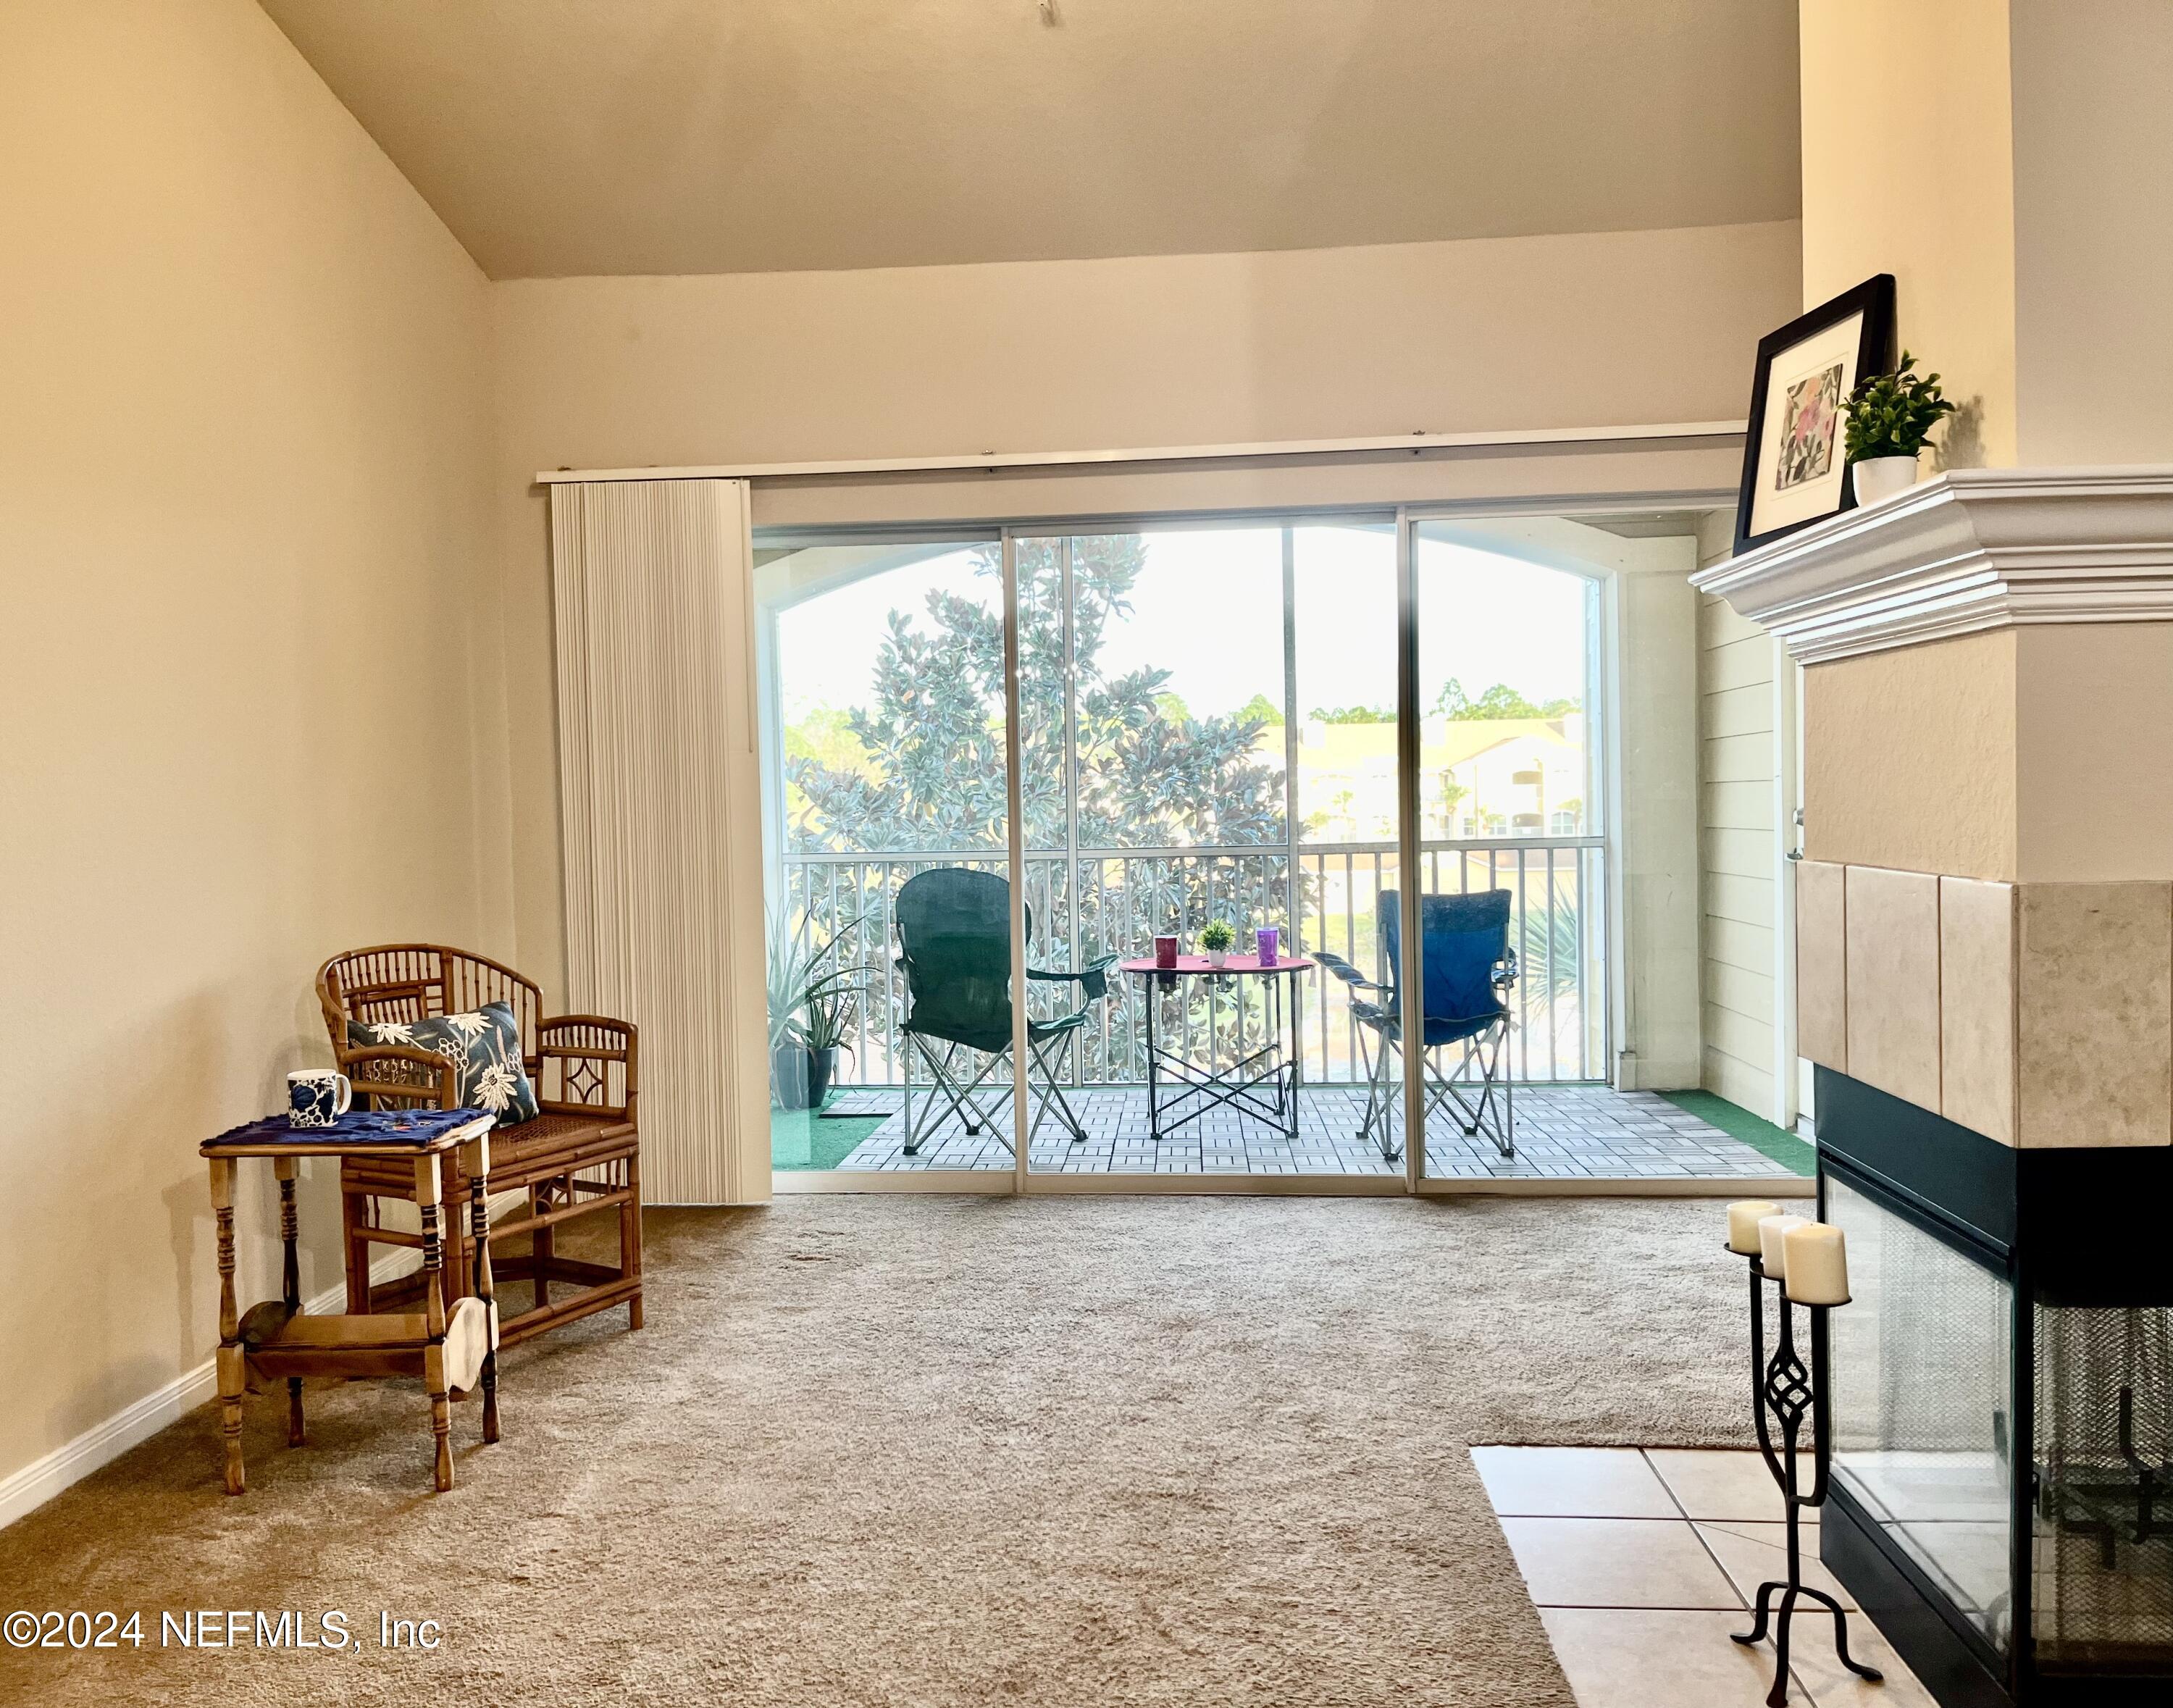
1889,417
1215,938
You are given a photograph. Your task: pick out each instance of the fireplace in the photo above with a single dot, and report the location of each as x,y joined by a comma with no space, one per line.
1984,978
2002,1405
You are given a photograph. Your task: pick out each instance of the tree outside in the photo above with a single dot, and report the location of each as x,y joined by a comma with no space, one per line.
929,771
924,772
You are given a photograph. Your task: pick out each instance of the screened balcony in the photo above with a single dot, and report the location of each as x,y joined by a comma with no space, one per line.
1113,902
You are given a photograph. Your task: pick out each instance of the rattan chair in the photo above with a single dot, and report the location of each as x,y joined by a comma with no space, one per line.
580,1157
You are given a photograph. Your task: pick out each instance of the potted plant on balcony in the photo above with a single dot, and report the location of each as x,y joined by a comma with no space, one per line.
810,1007
823,1035
1215,938
1890,417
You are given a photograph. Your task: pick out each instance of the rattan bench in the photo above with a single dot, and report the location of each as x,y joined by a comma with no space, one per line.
580,1156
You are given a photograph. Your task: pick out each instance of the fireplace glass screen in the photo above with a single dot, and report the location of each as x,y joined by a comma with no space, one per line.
1923,1360
2102,1593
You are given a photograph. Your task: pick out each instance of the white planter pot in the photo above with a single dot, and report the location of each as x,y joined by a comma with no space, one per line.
1218,958
1877,478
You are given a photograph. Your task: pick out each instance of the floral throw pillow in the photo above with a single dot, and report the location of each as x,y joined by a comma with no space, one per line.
484,1049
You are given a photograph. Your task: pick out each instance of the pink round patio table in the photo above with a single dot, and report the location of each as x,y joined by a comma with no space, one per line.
1244,1084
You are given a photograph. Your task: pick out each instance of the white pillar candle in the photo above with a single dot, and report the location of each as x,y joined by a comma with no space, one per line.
1817,1264
1772,1253
1743,1219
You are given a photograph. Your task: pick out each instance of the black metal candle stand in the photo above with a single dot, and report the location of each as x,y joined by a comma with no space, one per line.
1782,1394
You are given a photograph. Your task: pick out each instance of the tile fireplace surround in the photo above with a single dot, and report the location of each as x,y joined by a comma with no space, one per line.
1984,967
2039,1015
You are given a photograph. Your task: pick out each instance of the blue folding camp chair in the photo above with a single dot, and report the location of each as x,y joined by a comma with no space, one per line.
954,929
1469,969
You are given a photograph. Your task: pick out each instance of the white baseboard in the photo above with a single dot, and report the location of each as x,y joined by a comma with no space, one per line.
39,1481
25,1490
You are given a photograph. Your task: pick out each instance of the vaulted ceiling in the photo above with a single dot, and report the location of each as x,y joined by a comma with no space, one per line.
569,136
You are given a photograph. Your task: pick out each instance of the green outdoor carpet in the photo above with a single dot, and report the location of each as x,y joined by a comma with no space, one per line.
802,1138
1762,1136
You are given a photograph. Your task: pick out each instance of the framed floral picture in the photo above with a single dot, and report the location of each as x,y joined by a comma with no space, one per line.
1795,468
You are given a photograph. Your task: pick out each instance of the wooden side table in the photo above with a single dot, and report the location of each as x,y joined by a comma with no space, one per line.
453,1349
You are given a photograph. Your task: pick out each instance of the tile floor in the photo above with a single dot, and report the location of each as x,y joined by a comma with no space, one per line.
1562,1133
1642,1562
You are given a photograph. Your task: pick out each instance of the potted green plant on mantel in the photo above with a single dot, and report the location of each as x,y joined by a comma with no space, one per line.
1215,938
1890,417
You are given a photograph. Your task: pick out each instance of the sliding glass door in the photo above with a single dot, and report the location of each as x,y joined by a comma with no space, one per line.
1512,805
1362,737
1166,736
887,825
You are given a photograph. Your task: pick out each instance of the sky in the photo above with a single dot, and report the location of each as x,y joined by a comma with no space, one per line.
1209,610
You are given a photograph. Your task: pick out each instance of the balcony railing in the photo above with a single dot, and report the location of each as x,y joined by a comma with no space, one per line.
1114,900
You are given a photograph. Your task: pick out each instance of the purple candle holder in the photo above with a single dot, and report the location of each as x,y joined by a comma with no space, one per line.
1266,937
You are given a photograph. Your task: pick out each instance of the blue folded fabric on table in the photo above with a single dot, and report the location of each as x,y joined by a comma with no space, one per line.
357,1127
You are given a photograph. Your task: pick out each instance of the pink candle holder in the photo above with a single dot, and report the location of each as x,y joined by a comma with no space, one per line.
1165,951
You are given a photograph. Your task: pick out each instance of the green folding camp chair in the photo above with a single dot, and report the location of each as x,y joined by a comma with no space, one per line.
954,932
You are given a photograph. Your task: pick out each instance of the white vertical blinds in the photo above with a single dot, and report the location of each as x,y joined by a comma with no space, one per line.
661,815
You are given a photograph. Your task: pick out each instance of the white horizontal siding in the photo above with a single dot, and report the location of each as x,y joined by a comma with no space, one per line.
1719,626
1747,901
1739,664
1743,993
1738,766
1750,947
1739,807
1734,1034
1740,758
1738,1081
1744,854
1745,711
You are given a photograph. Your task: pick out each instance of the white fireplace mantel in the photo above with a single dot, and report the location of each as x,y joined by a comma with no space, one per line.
1972,549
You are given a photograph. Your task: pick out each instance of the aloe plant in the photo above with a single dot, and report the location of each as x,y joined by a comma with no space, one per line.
810,998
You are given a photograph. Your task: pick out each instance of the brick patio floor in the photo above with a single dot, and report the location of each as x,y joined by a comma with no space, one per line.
1562,1133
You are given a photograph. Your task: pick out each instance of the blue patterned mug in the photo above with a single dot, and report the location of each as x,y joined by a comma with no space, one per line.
318,1097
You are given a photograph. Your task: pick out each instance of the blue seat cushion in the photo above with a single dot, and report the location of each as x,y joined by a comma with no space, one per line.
1439,1030
484,1049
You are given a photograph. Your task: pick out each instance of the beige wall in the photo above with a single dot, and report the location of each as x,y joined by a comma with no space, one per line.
1909,758
2093,221
1058,356
1909,168
2039,754
2021,192
250,680
2093,752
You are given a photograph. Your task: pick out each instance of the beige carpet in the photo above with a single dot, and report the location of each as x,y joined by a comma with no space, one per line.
906,1451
